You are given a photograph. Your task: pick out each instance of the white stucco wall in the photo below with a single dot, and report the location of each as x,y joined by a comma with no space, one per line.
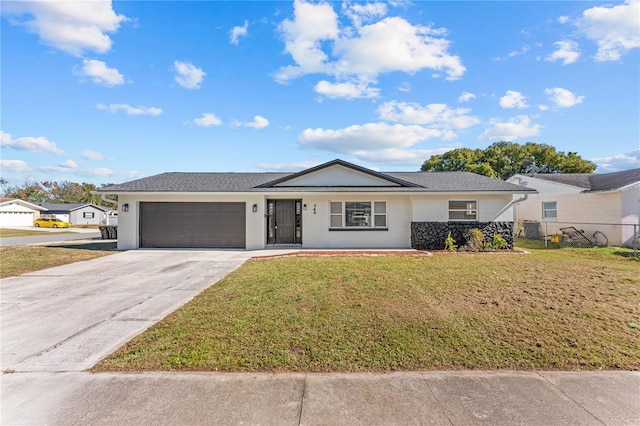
402,209
435,208
605,212
315,226
337,176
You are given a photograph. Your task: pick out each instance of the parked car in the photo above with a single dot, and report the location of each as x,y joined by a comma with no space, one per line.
51,222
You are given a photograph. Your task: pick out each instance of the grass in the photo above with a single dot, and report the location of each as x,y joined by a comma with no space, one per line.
564,309
7,232
23,259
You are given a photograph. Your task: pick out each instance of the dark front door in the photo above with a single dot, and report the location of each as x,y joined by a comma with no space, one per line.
284,219
285,222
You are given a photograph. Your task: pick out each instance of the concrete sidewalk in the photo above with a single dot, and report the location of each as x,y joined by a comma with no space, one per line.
420,398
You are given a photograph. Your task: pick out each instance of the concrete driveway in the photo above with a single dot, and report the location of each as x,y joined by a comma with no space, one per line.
58,322
67,318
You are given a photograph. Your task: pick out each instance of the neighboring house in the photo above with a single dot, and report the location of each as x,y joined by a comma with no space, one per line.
333,205
606,202
77,214
14,212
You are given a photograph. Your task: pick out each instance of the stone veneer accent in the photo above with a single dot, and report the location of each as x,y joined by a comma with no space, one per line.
431,235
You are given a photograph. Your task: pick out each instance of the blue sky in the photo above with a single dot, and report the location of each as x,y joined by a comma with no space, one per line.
106,92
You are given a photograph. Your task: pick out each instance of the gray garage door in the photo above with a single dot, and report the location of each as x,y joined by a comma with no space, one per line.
201,225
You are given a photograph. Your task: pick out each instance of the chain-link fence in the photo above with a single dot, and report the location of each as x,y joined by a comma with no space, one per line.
581,234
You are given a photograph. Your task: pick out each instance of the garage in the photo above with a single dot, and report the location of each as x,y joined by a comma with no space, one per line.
192,225
16,218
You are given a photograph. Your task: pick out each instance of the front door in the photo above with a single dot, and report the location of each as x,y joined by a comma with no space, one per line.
284,222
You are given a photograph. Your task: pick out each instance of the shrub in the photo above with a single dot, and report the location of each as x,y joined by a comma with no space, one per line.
498,242
475,239
450,243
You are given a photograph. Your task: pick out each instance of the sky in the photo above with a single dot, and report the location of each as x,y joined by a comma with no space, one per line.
107,92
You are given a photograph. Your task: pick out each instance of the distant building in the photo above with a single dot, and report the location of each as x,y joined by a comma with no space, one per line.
605,202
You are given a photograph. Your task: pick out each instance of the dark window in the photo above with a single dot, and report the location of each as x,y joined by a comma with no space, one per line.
358,214
550,210
463,210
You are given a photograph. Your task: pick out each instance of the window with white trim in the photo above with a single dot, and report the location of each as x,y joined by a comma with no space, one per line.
88,215
463,210
358,214
550,210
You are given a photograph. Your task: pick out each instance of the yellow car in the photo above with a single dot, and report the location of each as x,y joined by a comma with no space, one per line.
51,222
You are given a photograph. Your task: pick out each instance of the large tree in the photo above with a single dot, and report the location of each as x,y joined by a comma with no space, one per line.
55,192
504,159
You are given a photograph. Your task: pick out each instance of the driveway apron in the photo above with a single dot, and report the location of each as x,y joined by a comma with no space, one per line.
69,317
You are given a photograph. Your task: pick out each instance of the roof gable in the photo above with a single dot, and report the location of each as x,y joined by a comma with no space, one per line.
9,201
338,173
335,176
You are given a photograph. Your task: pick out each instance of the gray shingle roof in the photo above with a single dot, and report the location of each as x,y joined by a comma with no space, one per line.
67,207
425,182
595,181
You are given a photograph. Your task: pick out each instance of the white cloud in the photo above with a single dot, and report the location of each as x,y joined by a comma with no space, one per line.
237,32
522,51
16,166
513,99
364,12
404,87
567,52
29,143
100,73
363,51
207,120
71,26
188,75
346,90
92,155
258,122
630,160
434,115
466,97
287,167
563,19
312,24
615,29
404,157
516,128
130,110
366,137
393,44
100,172
69,164
563,98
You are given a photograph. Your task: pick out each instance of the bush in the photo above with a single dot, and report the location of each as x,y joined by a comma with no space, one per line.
475,239
450,243
498,242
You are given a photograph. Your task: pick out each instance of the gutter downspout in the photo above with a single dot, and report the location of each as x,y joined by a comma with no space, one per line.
102,196
511,203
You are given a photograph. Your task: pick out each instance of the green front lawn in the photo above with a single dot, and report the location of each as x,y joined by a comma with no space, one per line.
23,259
9,232
552,309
